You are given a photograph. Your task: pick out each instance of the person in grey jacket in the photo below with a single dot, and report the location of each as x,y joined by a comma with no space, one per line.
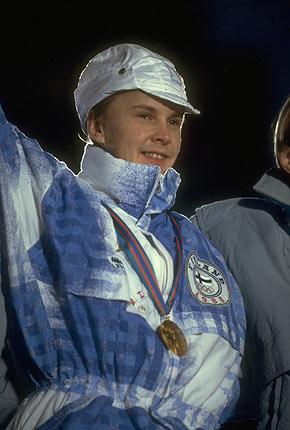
253,235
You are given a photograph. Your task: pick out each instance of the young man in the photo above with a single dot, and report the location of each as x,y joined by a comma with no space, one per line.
121,314
253,235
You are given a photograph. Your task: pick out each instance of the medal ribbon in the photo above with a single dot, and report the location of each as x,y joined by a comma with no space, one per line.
141,263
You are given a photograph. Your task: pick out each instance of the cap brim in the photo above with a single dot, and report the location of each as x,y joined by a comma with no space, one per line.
174,98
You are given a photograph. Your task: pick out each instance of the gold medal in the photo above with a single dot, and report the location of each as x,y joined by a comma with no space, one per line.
172,337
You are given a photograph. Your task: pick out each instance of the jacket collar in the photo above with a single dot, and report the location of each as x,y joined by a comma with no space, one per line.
275,184
139,189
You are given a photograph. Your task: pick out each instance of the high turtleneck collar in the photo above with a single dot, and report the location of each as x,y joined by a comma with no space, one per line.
275,184
139,189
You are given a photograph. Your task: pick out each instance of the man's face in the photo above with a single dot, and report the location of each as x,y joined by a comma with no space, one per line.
140,128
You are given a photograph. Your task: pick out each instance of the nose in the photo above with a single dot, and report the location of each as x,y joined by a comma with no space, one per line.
161,134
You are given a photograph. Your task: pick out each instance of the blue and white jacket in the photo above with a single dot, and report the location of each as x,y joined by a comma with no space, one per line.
81,326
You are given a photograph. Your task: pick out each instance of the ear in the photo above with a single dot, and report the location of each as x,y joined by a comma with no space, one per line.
284,158
95,129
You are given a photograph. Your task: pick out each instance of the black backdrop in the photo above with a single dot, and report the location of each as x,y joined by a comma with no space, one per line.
234,56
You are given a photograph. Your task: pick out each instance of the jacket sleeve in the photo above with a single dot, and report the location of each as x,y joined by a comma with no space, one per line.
25,173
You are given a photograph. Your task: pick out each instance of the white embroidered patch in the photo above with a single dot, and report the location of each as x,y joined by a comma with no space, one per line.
206,281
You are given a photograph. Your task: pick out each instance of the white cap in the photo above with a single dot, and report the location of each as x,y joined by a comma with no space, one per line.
128,67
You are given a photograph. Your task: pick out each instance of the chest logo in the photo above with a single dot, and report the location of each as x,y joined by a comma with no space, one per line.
206,282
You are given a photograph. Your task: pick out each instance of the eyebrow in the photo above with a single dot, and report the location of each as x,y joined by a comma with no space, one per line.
153,109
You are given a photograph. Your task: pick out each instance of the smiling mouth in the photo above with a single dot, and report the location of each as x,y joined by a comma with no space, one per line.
154,155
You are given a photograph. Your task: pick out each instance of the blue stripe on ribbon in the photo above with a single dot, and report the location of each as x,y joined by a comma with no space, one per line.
142,265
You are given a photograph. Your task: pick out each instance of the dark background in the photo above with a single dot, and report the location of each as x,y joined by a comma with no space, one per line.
233,55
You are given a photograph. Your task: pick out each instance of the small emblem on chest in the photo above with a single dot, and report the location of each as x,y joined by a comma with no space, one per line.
206,282
117,262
